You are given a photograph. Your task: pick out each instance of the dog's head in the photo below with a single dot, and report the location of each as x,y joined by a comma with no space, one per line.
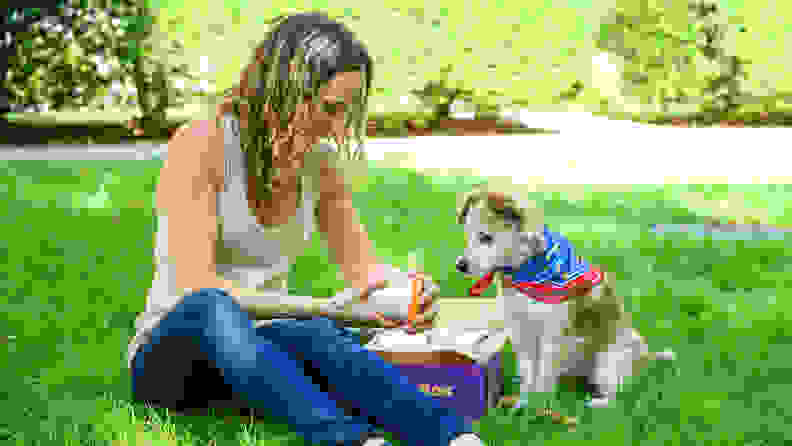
500,232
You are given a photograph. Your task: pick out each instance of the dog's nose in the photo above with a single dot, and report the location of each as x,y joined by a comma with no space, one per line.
462,265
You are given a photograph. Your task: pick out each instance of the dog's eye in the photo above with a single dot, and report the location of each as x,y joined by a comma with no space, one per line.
484,238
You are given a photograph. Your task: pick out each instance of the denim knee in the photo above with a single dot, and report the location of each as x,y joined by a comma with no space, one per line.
321,323
207,295
209,301
210,309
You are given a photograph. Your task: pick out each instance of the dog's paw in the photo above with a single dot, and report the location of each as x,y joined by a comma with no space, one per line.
597,402
519,407
665,355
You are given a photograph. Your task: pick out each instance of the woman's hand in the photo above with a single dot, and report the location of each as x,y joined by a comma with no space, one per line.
134,126
424,317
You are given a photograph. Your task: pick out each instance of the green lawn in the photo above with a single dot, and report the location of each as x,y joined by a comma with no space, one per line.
78,262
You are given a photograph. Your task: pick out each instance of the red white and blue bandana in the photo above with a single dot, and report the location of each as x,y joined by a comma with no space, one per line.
551,277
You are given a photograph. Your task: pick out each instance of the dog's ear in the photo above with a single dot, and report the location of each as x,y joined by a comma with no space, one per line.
469,200
497,200
463,210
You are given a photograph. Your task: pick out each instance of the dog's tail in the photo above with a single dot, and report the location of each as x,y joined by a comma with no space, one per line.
665,355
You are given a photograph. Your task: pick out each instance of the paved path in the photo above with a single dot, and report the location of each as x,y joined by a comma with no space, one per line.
586,151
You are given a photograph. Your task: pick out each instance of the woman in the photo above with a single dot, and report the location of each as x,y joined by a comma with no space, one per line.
240,200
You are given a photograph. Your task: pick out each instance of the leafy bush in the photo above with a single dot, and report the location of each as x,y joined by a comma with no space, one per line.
439,97
64,60
677,55
94,58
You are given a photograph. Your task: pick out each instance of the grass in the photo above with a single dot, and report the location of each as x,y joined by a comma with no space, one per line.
78,262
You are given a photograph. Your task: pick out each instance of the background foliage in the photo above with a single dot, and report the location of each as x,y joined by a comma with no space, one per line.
95,55
678,58
634,59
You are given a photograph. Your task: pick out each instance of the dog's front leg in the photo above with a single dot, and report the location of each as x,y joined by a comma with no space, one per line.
554,346
524,334
621,360
536,337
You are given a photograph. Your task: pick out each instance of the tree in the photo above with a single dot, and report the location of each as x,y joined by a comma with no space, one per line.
155,74
15,18
723,88
86,52
439,97
66,58
677,54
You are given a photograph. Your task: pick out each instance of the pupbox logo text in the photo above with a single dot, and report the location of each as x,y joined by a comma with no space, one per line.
441,391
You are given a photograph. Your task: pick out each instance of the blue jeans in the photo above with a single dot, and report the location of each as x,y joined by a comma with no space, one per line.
266,368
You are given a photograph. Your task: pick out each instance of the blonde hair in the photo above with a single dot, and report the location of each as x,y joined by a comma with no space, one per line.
265,87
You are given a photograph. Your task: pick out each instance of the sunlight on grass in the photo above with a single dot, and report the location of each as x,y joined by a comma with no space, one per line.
684,294
743,204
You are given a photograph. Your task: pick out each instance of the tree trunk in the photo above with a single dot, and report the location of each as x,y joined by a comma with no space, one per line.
153,119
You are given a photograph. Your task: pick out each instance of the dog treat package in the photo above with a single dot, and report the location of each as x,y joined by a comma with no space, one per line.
463,369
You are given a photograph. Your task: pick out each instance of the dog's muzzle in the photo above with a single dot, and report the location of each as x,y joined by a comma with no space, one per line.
462,265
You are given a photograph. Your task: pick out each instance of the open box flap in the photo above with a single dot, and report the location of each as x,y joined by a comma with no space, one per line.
479,345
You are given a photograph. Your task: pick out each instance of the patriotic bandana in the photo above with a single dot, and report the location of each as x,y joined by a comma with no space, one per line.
551,277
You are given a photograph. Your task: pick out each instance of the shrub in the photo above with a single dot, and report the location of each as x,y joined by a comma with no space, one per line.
677,54
62,60
437,96
93,58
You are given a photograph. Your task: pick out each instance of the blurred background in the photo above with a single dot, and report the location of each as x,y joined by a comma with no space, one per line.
88,62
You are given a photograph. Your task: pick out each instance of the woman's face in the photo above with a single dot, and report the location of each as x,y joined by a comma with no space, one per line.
328,117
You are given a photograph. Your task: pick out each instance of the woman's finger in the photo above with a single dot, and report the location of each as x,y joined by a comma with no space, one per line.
366,293
276,151
385,322
434,289
428,296
426,305
426,317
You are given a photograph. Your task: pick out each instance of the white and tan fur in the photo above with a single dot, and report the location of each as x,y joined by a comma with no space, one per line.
589,336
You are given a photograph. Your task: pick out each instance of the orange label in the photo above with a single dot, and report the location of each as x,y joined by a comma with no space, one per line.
439,391
417,283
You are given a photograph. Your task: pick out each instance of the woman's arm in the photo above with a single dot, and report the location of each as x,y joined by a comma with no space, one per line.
352,250
186,196
346,237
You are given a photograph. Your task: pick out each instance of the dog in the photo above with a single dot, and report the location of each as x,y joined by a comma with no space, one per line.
563,315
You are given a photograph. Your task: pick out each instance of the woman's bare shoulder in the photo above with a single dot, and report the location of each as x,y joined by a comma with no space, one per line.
198,144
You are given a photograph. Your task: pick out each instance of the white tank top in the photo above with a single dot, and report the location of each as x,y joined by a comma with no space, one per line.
255,256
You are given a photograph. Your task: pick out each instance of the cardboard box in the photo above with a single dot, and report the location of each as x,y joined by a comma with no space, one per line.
462,369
